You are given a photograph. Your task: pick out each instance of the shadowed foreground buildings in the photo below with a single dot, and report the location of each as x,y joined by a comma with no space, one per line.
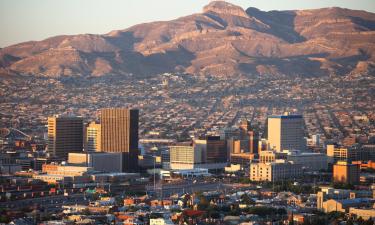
119,133
65,134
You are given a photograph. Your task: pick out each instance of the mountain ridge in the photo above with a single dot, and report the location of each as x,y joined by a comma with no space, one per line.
222,40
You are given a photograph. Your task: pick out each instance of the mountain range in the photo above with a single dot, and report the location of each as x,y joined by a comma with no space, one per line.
222,40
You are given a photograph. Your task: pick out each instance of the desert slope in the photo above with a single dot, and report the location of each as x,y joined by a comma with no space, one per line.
222,40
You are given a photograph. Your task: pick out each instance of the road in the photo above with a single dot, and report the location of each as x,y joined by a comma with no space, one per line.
190,187
48,202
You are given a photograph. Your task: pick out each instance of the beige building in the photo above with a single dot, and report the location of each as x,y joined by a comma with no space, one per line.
64,174
65,134
344,205
344,172
100,161
274,171
341,154
352,153
328,193
184,157
267,156
93,137
364,213
286,132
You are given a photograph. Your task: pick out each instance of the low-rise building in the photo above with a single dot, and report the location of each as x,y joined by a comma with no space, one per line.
365,213
328,193
53,173
343,205
310,161
344,172
275,171
99,161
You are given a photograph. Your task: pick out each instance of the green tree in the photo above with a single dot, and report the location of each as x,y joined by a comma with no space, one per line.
245,199
4,219
369,222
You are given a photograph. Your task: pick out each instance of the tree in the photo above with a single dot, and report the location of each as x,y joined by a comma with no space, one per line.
306,222
4,219
369,222
350,222
245,199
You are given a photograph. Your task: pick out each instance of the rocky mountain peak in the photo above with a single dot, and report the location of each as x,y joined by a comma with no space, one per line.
223,7
224,40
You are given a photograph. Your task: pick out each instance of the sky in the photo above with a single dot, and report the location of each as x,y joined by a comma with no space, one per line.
26,20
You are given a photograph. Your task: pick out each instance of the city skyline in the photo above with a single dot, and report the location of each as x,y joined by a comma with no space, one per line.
215,115
22,21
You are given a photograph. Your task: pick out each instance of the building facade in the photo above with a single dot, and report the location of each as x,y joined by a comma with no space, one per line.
344,172
286,132
93,137
65,134
216,151
184,157
119,133
99,161
310,161
274,171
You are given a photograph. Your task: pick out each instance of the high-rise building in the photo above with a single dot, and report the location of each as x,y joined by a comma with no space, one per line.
65,134
286,132
344,172
253,142
93,137
119,133
216,151
315,139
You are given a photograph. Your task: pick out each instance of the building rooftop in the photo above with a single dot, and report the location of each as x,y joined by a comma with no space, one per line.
286,116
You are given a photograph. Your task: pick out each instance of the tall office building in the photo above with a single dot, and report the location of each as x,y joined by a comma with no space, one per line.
286,132
93,137
253,142
65,134
216,151
119,133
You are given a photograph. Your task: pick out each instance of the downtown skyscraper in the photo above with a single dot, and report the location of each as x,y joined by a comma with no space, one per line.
65,134
119,133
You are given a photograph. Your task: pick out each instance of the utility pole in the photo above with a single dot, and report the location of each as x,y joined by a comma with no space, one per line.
154,174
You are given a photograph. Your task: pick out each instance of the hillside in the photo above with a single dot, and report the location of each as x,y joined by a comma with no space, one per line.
222,40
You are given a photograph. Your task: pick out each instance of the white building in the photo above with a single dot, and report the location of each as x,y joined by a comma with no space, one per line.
275,171
161,221
286,132
184,157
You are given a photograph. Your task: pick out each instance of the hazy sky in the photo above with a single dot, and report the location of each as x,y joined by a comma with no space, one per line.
24,20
